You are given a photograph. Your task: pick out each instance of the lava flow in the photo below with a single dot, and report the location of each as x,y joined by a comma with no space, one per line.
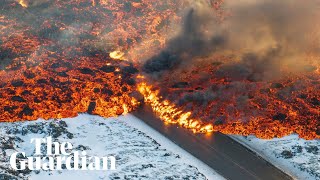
205,66
246,74
169,113
60,58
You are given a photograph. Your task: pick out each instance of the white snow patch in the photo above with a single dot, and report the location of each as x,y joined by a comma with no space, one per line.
303,156
141,152
171,146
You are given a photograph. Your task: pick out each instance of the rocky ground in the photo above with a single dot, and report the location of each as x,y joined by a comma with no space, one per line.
138,155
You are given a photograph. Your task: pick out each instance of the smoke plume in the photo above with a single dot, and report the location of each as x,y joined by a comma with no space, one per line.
262,37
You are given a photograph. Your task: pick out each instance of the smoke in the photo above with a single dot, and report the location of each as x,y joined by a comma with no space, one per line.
205,69
193,41
264,37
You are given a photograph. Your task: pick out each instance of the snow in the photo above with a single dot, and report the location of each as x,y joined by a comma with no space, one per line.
141,152
187,157
293,155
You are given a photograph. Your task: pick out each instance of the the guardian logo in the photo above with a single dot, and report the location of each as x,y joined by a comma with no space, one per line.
63,157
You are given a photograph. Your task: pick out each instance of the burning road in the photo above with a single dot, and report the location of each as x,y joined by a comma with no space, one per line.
247,67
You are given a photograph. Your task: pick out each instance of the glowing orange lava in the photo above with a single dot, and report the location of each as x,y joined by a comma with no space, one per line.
80,56
169,113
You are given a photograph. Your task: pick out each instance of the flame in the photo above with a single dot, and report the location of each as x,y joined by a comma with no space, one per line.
169,113
117,55
23,3
264,109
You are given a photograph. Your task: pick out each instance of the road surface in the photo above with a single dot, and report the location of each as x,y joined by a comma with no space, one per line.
229,158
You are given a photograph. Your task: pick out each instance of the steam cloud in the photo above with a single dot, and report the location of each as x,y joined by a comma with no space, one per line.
264,35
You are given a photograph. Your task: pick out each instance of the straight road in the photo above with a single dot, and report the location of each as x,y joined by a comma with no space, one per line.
229,158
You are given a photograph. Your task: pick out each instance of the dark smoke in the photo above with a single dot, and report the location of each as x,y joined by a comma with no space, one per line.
208,65
192,42
263,36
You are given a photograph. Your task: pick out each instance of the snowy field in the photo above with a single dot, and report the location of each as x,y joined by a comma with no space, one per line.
296,156
141,153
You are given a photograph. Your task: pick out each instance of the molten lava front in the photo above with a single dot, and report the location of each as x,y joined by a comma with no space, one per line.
49,85
61,58
265,109
169,113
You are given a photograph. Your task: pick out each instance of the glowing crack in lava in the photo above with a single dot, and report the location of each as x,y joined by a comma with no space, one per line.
60,58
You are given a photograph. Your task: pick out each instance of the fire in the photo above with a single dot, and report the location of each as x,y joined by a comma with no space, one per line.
169,113
265,109
117,55
23,3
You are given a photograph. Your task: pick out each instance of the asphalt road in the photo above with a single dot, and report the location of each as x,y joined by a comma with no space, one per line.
226,156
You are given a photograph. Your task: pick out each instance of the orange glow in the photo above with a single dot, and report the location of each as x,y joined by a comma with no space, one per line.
266,109
117,55
169,113
88,58
23,3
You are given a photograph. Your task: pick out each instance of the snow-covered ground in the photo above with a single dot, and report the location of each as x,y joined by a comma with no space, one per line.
298,157
141,152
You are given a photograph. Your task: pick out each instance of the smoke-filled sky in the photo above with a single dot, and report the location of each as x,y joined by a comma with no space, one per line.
265,36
